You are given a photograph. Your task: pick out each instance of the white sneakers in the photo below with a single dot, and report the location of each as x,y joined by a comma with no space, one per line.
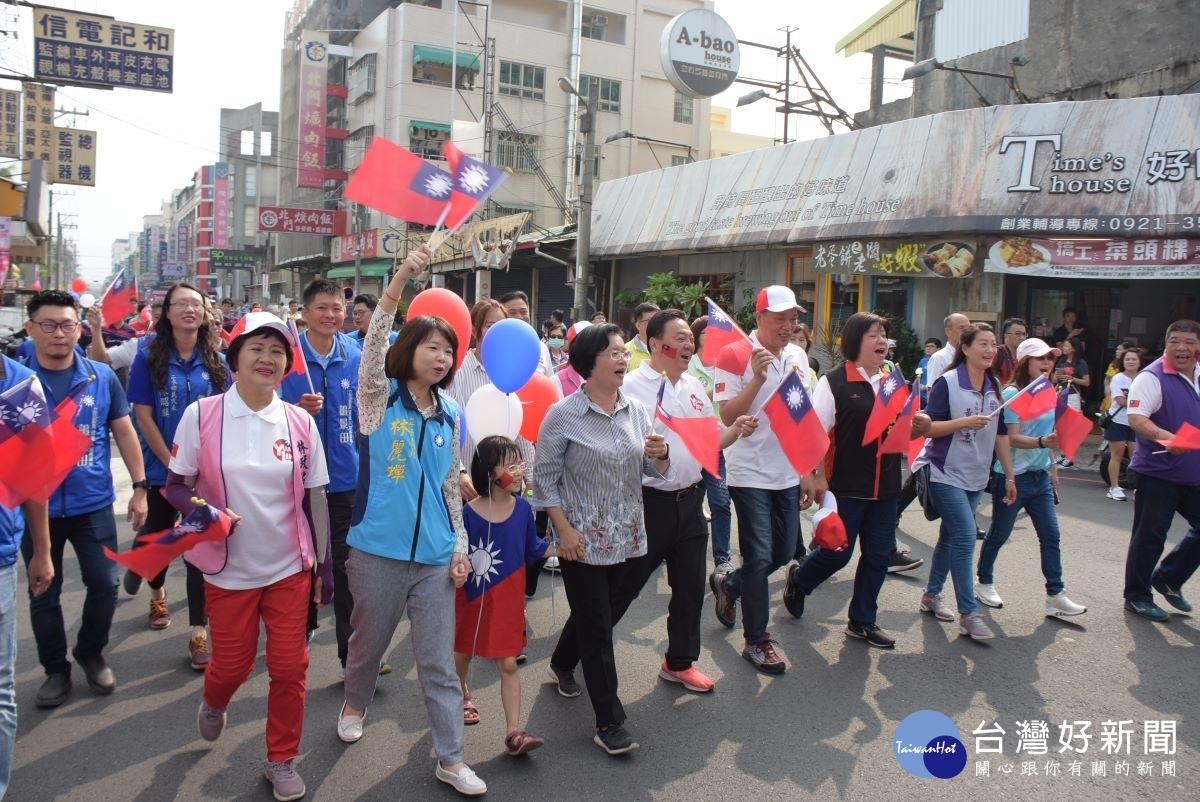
1116,494
935,605
973,627
465,781
349,728
1059,606
987,595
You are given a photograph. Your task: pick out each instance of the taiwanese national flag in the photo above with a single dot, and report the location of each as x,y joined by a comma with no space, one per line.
299,363
156,550
889,401
1035,400
795,423
1070,426
897,440
38,445
473,182
1187,438
699,435
120,299
232,334
723,331
399,183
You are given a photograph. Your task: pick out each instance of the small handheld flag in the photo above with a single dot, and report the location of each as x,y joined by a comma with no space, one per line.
1035,399
796,424
699,435
156,550
721,332
889,401
1070,425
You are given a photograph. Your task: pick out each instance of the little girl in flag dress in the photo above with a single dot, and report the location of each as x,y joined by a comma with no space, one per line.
490,607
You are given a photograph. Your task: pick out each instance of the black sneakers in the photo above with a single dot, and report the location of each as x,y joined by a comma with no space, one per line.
54,690
565,679
764,657
615,740
726,604
793,599
99,676
872,634
899,561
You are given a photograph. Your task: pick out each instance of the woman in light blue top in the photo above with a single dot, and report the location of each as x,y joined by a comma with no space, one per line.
1037,489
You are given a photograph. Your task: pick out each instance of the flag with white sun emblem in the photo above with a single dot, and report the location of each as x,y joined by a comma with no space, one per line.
794,421
399,183
473,182
489,608
39,445
889,401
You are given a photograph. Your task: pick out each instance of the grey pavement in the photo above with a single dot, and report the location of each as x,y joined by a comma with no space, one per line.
823,730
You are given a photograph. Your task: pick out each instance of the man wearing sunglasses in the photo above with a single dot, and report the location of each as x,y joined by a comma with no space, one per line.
81,508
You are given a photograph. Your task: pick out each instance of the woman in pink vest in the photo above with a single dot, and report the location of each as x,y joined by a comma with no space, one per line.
260,459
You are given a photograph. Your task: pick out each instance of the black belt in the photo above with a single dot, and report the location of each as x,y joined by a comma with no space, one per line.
674,495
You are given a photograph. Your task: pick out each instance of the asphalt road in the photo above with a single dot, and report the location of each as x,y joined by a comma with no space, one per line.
823,730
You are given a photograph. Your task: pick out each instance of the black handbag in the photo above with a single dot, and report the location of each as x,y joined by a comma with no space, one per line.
925,494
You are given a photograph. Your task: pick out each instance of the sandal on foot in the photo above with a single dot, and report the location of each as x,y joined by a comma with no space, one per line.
519,742
470,712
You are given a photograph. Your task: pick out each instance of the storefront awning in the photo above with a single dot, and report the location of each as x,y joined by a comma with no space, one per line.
891,26
424,54
370,268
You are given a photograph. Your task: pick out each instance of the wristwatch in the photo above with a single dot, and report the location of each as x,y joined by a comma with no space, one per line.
141,484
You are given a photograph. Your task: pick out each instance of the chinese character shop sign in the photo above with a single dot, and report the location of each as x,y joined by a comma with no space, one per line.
286,220
100,51
74,157
310,149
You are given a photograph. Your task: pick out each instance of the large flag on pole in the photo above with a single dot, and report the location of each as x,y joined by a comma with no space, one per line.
889,401
156,550
120,299
1070,425
796,424
399,183
473,182
699,435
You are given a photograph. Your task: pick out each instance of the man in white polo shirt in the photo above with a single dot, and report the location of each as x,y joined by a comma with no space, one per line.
765,489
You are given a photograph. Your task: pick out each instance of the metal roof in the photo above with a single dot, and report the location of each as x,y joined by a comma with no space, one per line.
891,26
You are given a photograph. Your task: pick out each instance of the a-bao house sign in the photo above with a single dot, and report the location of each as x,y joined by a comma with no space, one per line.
699,53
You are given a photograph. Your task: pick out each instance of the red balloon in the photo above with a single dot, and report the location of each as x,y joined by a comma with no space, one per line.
79,284
536,397
440,302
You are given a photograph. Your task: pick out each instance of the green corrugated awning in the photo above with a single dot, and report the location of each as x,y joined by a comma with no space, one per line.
424,54
443,127
370,268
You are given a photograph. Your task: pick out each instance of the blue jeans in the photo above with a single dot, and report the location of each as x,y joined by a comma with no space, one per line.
1035,495
1154,508
872,522
955,550
721,513
767,524
88,534
8,658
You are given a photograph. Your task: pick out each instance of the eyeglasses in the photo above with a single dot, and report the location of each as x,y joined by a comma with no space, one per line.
619,355
50,326
187,305
518,467
1020,335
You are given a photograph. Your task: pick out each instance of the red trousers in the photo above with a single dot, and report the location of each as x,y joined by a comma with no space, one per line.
233,617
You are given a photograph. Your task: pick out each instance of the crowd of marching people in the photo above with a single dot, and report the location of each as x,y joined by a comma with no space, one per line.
294,466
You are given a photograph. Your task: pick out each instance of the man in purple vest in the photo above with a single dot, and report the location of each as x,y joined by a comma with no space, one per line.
1162,398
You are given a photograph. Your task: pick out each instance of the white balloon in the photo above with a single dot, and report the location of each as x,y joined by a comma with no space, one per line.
492,412
87,300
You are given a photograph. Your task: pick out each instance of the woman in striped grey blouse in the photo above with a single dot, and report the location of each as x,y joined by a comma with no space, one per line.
593,448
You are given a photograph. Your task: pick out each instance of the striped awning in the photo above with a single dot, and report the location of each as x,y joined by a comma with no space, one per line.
891,26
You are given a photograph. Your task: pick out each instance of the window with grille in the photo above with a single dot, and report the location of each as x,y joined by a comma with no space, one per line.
522,80
516,151
250,181
361,78
609,98
683,108
357,144
426,141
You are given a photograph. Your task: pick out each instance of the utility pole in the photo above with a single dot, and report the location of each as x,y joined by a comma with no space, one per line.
583,231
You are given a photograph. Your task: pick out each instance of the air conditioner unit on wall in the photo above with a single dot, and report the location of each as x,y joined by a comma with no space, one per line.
596,20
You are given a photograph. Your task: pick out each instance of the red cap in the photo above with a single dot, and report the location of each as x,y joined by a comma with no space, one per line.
776,298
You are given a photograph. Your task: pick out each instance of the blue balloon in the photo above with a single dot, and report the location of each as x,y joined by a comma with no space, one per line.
510,351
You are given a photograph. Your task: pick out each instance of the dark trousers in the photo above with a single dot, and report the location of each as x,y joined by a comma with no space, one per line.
341,507
541,522
591,594
907,493
161,515
677,534
88,534
873,524
1154,508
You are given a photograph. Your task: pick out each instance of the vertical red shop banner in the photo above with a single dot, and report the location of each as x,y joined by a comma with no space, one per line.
310,150
221,205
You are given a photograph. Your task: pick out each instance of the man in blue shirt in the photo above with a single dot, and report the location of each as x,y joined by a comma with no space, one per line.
330,394
81,508
41,573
